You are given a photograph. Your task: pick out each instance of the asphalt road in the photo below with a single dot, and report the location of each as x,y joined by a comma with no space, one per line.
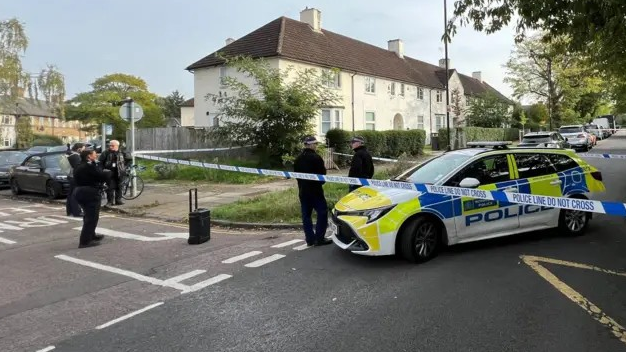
532,292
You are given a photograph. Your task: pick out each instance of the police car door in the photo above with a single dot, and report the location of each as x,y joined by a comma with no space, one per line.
538,176
486,218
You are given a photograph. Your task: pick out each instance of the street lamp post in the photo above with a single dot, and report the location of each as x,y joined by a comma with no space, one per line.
447,79
17,118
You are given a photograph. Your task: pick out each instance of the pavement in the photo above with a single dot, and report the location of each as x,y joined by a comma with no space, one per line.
145,289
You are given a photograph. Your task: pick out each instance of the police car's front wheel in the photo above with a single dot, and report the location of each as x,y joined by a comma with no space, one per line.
420,240
573,222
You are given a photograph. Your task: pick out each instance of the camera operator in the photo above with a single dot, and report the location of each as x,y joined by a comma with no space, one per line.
89,178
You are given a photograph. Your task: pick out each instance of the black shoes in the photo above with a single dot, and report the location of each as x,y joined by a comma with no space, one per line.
324,241
98,237
119,202
90,244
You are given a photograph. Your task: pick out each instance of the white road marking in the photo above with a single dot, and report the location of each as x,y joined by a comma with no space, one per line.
301,247
185,276
209,282
129,236
263,261
241,257
130,315
6,241
183,235
49,348
123,272
285,244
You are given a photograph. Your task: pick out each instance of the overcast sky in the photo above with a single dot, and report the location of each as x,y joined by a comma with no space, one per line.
157,39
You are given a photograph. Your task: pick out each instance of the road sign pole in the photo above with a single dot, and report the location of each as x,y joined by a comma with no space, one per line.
104,137
133,187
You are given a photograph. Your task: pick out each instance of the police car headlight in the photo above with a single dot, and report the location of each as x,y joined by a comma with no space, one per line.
376,213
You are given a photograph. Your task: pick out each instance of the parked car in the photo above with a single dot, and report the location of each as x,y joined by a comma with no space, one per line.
41,173
546,139
594,138
594,130
9,158
577,137
46,149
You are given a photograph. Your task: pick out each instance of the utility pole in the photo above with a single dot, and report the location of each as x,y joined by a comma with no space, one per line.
550,88
445,24
17,119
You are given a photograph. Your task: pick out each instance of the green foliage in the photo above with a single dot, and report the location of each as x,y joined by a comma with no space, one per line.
389,144
276,112
13,45
24,132
47,140
595,27
51,84
488,110
171,104
480,134
100,104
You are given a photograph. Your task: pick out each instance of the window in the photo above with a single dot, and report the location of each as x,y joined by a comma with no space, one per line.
420,122
216,121
50,121
6,142
402,89
6,120
562,162
40,121
223,75
370,121
370,85
332,78
533,165
439,96
392,88
440,121
34,162
331,118
488,170
420,93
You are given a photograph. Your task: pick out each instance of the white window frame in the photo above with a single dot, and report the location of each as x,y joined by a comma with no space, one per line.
440,118
420,93
335,119
439,96
333,79
223,75
370,85
41,121
7,142
392,88
402,89
420,122
370,123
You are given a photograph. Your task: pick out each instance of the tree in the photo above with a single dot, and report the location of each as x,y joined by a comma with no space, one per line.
456,107
51,84
13,44
275,112
488,110
537,116
171,104
596,28
24,132
100,105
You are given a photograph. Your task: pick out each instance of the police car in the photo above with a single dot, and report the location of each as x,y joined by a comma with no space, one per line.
386,221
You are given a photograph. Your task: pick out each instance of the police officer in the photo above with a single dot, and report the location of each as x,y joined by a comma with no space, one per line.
71,205
88,178
361,165
311,194
114,160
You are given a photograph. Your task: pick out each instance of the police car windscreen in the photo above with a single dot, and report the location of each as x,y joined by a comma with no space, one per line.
435,169
535,139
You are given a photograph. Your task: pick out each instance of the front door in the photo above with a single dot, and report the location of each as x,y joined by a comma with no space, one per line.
486,218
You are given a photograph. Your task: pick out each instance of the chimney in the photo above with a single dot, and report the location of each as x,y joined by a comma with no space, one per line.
229,40
477,75
313,17
397,46
442,63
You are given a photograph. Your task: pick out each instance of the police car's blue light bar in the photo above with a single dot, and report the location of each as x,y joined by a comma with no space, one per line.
593,206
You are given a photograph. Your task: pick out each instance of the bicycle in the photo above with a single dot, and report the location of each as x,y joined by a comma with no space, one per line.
127,183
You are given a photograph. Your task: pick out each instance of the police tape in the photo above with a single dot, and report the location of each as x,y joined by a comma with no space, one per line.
594,206
603,156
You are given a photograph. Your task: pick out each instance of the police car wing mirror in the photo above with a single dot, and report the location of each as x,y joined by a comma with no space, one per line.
469,182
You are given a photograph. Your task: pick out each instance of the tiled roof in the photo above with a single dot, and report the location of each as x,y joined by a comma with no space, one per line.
296,40
26,106
187,103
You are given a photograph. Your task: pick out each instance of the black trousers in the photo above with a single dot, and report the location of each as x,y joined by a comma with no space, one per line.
308,203
71,205
114,190
89,199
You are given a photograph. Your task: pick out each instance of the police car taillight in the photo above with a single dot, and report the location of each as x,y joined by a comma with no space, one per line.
597,175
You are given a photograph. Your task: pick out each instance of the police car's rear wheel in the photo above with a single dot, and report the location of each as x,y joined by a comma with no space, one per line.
420,240
573,222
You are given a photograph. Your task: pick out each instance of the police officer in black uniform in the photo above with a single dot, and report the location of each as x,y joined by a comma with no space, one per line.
114,160
71,205
361,165
312,194
89,178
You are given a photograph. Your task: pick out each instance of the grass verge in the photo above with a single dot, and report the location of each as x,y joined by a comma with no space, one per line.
278,207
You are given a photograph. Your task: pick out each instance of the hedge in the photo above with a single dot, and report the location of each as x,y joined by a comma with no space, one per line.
473,134
46,140
389,144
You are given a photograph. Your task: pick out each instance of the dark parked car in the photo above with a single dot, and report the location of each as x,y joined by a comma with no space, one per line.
46,149
546,139
9,158
42,173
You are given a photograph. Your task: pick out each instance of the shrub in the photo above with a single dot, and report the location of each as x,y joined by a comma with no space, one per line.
389,144
338,139
165,171
46,140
